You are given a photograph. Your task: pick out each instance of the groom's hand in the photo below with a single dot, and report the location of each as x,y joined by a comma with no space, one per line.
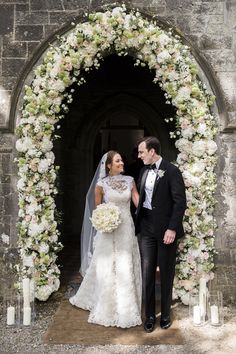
169,236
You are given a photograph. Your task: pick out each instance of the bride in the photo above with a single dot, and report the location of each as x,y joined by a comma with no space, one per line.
111,288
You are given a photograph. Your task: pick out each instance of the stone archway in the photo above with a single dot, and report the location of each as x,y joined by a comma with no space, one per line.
175,70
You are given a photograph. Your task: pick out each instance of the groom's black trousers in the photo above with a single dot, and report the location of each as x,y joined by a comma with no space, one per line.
154,252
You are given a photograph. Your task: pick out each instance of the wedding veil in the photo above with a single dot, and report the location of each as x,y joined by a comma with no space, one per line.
88,232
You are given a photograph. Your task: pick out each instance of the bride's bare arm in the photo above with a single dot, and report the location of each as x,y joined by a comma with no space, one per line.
98,195
135,195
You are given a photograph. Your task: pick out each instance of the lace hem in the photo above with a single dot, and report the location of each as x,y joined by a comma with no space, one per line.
115,323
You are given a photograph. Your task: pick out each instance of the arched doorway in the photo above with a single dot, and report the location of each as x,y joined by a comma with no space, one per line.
116,107
175,71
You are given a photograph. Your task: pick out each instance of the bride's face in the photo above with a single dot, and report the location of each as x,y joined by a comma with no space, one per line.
117,165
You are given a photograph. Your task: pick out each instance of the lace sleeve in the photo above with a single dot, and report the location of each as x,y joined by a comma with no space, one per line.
130,181
100,183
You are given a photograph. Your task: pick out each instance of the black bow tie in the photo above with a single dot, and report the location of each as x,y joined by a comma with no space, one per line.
152,167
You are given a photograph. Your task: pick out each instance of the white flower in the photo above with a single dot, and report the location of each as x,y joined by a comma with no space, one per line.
46,144
198,167
188,132
24,144
43,248
160,173
163,56
28,261
5,239
43,292
21,184
43,166
211,147
199,148
163,39
35,229
106,217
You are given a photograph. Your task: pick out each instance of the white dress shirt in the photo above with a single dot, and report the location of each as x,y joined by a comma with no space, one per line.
149,185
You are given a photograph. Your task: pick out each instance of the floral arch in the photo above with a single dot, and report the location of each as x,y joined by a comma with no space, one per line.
44,104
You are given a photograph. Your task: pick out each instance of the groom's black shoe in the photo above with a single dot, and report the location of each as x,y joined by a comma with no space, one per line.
165,322
149,324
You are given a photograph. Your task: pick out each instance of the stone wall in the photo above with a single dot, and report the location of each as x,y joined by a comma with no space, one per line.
209,26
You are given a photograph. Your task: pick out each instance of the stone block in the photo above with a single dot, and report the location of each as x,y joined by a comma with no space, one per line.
47,5
59,18
74,4
32,47
223,258
8,82
5,179
5,189
221,61
213,8
8,205
50,29
12,66
6,142
33,18
6,19
6,164
4,229
22,7
29,33
207,42
14,49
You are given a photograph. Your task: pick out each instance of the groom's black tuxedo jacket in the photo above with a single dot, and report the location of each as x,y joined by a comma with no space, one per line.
168,200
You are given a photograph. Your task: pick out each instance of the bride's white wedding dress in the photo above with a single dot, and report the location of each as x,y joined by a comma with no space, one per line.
111,288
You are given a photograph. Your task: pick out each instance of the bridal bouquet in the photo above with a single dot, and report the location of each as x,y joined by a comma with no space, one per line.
106,217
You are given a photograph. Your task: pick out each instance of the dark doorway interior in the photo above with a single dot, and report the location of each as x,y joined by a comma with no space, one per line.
115,107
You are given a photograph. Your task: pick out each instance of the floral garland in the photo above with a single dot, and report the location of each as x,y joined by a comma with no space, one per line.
176,73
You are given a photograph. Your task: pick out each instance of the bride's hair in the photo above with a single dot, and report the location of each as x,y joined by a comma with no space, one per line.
110,155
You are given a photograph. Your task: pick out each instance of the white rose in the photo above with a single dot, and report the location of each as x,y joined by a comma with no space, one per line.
198,167
188,132
43,166
35,229
202,128
24,144
46,144
21,184
43,292
199,148
163,39
211,147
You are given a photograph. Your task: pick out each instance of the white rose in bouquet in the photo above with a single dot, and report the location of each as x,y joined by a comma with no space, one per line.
106,217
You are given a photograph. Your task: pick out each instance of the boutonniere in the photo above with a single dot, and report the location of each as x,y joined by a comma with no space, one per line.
160,173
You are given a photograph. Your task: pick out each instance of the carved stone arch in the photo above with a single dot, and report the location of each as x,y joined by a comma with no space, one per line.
206,73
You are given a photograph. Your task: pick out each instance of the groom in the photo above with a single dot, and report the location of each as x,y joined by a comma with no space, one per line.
159,222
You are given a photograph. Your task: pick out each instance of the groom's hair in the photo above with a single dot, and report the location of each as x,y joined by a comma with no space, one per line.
151,143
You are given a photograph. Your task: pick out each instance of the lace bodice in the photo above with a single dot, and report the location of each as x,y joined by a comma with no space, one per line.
117,189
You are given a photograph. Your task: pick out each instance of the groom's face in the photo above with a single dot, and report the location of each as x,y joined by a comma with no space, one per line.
145,155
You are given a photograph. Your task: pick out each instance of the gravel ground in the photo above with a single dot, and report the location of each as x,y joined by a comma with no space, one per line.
205,339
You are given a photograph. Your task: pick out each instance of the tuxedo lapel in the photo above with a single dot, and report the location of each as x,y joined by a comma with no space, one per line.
142,184
157,181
